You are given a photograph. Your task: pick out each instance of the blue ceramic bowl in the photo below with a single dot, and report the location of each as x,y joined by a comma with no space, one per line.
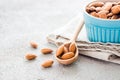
102,30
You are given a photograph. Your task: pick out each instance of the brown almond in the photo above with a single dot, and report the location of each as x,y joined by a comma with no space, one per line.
102,14
46,50
97,9
67,45
65,49
67,55
47,63
104,11
30,56
119,3
90,9
114,17
34,44
60,50
72,47
94,14
110,14
115,9
96,4
114,3
107,6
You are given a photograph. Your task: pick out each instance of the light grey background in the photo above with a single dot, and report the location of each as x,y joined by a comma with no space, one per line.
24,20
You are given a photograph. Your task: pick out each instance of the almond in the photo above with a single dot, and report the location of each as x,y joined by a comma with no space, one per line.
47,63
30,56
60,50
102,14
115,9
46,50
114,3
114,17
34,44
72,47
65,49
107,6
94,14
96,4
110,14
90,9
97,9
67,45
67,55
119,3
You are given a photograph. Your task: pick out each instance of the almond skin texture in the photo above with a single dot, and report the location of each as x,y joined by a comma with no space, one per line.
47,63
90,9
115,9
67,45
107,6
97,9
102,15
94,14
72,47
67,55
30,56
60,50
114,17
46,50
34,44
96,4
65,49
110,14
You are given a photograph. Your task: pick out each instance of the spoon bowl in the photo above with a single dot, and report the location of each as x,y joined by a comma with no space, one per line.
68,61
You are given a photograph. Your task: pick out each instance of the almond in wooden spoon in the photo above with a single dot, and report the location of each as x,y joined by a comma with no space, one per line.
67,55
72,47
60,50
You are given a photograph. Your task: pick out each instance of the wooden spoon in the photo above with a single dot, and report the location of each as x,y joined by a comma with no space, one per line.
74,58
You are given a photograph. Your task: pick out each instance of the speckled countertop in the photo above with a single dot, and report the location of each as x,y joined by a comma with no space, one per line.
24,20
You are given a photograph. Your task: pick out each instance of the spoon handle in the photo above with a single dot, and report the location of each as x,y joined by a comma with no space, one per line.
77,30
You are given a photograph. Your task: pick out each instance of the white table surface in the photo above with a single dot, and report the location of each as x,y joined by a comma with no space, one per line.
24,20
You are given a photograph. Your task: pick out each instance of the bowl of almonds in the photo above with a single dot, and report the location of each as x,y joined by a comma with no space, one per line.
102,21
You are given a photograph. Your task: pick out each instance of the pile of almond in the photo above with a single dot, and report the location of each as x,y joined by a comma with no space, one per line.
107,10
66,51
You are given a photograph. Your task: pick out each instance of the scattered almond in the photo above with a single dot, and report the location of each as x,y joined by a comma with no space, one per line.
67,55
47,63
60,50
46,50
30,56
34,44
